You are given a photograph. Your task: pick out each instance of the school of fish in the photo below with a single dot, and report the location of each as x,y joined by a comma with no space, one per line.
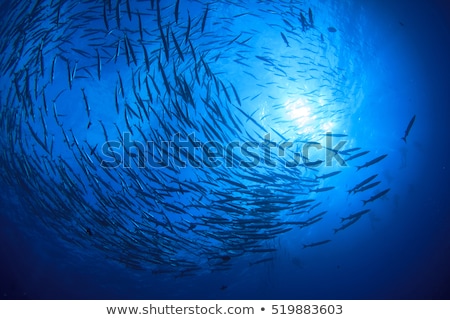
86,84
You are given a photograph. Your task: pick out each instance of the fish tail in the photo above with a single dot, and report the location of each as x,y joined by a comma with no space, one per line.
365,201
404,139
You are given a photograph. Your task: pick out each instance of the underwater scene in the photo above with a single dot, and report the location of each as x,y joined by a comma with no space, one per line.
190,149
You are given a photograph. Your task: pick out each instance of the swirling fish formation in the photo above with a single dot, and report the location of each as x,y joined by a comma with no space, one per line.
142,130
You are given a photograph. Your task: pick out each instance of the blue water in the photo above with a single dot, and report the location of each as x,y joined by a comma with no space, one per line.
74,229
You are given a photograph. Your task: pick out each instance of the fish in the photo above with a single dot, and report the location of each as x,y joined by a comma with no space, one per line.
204,17
177,6
128,9
117,53
303,21
285,39
315,244
121,87
311,19
328,175
149,92
177,46
69,75
52,72
236,94
88,109
367,187
118,14
141,30
347,151
163,74
165,44
332,29
355,215
289,24
146,58
129,46
321,189
357,155
99,65
41,58
362,183
260,261
335,135
348,224
408,129
377,196
371,162
310,222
